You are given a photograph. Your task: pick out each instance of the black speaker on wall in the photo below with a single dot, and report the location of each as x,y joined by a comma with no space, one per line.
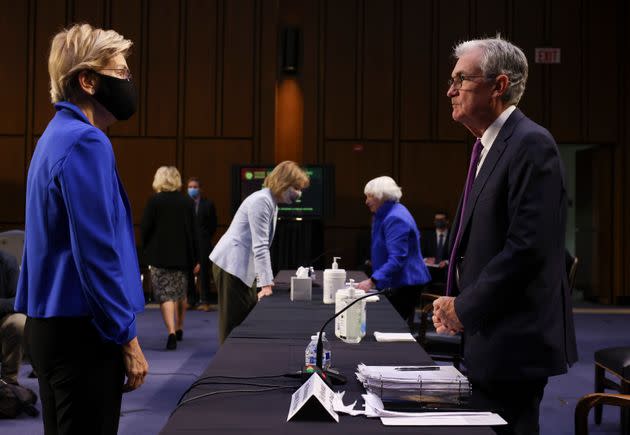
290,50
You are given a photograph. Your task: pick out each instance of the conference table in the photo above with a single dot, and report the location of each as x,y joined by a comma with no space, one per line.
270,342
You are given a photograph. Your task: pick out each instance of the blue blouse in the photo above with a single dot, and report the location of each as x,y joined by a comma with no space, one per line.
396,257
79,251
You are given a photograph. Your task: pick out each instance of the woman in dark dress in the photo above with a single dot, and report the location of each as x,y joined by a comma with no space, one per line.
168,237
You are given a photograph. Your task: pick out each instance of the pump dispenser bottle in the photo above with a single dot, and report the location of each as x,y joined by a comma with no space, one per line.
350,325
334,279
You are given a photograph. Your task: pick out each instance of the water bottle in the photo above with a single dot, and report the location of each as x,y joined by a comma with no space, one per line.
310,354
326,353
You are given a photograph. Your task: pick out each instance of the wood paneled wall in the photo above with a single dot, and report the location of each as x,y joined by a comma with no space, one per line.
198,66
372,82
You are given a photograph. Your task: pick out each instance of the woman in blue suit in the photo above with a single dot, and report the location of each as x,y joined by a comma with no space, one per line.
396,258
79,283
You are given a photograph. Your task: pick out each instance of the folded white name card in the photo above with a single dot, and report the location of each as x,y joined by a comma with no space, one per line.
313,401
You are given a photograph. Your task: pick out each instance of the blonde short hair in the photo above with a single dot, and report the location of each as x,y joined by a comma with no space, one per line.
167,179
78,48
383,188
285,175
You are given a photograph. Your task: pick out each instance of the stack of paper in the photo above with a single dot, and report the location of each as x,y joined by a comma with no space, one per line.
421,384
392,337
374,408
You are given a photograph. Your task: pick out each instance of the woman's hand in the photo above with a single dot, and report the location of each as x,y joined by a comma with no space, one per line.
136,366
366,285
265,291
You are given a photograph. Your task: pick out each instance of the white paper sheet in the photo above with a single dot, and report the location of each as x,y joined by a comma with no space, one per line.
374,408
460,420
391,337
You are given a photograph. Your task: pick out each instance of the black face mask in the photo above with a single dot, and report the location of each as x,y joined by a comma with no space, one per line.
118,96
440,224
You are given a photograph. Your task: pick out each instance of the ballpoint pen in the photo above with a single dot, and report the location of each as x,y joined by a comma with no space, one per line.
417,369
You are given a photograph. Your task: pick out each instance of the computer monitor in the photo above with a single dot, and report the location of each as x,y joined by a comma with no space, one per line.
316,201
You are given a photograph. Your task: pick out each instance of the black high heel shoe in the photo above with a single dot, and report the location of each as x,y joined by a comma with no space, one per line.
171,342
179,334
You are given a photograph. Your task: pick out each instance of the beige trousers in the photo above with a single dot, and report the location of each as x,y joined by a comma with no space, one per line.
11,345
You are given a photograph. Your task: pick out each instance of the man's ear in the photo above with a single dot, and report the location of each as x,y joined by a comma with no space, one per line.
501,85
87,82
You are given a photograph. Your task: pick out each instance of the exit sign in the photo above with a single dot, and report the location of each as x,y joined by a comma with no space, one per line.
547,55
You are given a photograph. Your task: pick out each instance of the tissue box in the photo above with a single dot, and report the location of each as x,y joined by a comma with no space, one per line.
301,288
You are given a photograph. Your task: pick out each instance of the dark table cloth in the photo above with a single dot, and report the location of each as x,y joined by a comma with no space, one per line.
271,341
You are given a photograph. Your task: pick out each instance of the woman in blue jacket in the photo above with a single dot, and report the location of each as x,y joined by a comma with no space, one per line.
395,252
79,283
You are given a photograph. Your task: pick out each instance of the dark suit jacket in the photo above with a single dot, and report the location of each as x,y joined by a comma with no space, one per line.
169,232
514,298
206,221
429,242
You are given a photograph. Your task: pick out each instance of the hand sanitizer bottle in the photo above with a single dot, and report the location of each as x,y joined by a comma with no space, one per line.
350,325
334,279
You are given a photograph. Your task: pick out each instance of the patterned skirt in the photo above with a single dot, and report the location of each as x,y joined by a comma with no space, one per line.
168,284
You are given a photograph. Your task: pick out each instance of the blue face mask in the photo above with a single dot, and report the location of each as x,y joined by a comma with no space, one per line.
193,192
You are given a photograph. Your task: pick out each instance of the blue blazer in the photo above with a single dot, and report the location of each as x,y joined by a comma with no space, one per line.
396,257
514,299
79,252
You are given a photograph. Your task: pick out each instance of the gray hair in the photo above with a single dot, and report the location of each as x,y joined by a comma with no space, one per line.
499,56
383,188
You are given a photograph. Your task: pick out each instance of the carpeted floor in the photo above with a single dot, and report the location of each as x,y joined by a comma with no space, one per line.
145,411
593,332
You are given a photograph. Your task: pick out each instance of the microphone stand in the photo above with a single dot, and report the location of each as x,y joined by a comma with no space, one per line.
336,377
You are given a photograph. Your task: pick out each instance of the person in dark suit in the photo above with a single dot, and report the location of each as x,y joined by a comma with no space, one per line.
511,301
170,248
206,222
434,245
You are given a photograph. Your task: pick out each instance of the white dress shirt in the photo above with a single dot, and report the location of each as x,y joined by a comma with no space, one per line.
491,133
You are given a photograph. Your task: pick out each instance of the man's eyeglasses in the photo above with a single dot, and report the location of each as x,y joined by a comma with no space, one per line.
122,73
457,81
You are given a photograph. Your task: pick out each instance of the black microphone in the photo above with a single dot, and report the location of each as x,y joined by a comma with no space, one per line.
336,377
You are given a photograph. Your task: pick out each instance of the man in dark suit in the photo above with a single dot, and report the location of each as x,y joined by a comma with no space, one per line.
206,227
511,299
434,245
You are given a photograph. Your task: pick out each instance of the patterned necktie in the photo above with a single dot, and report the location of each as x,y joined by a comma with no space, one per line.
472,171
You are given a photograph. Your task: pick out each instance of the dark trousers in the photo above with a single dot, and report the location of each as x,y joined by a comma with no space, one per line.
80,377
203,296
204,280
517,402
404,301
236,300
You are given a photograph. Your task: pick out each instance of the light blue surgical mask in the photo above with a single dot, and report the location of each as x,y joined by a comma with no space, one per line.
290,195
193,192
